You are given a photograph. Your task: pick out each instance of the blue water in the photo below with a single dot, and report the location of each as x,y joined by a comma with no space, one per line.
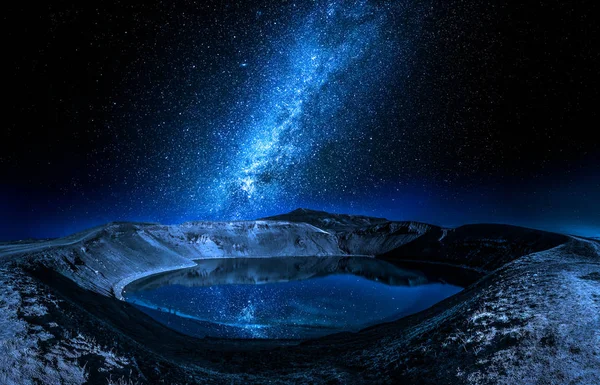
295,309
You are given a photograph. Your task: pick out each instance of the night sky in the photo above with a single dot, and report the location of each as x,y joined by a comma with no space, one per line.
446,112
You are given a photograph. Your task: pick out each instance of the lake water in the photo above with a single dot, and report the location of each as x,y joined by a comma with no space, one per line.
287,298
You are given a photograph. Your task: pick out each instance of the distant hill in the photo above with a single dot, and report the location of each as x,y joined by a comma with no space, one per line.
327,221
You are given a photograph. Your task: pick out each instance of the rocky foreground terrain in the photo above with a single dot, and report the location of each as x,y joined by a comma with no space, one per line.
529,315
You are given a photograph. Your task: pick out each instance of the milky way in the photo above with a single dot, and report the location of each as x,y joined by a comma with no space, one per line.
336,53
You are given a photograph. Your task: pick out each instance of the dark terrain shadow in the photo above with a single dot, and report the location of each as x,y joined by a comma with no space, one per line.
482,246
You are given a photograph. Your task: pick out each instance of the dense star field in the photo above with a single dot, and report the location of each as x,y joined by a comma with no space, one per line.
444,112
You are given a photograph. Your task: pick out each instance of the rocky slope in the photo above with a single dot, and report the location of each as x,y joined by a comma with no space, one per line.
359,234
328,221
484,247
106,258
533,317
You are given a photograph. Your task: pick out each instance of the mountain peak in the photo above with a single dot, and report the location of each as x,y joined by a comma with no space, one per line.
328,221
302,210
